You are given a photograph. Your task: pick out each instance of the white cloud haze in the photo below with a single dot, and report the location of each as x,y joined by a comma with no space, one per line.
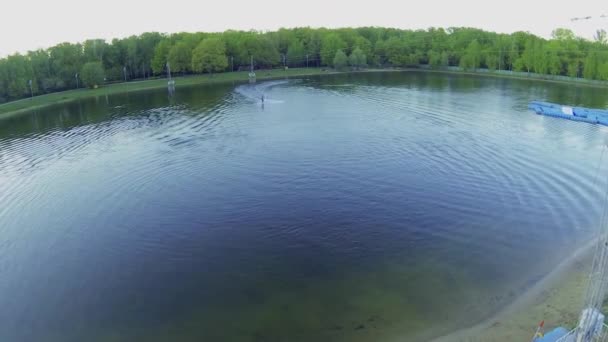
28,25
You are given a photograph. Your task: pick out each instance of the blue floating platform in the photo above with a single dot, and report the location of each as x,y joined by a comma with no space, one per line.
555,335
589,115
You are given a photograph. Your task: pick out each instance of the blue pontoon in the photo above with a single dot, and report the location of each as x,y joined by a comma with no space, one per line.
596,116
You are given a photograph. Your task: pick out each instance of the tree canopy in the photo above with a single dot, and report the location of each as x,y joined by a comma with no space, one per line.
209,56
340,60
138,57
357,58
92,74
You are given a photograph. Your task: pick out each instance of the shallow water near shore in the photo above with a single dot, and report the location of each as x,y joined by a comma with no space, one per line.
364,207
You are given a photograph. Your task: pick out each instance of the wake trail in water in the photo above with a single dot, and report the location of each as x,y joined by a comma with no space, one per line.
254,92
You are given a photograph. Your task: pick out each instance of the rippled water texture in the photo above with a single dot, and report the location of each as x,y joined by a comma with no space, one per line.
348,208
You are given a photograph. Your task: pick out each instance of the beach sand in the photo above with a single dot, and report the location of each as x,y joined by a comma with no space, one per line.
557,299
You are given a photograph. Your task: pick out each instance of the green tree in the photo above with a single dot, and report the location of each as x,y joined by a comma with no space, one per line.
540,58
492,59
329,47
397,51
573,68
210,56
296,53
591,66
600,36
66,62
340,60
357,59
92,74
472,57
180,58
603,71
161,56
434,59
18,74
526,61
445,59
41,68
562,34
554,63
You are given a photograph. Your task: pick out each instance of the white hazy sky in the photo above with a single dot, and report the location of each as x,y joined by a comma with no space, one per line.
28,25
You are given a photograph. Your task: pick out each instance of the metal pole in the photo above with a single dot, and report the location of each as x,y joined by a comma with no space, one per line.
251,63
124,72
76,76
500,60
232,63
31,90
306,61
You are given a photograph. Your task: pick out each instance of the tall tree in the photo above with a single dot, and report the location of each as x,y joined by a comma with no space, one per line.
340,61
210,56
591,66
180,58
600,36
563,34
161,56
357,58
526,61
92,74
329,46
472,57
66,61
603,71
296,54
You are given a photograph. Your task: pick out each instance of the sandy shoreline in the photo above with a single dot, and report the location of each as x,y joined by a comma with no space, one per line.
556,299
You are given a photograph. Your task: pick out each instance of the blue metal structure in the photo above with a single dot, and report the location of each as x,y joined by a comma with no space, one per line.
595,116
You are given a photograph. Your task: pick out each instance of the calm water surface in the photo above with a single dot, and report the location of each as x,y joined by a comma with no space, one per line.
369,207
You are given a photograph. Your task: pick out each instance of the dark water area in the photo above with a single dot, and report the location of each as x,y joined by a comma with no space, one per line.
365,207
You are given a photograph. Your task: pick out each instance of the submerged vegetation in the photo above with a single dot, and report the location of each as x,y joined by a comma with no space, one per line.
67,66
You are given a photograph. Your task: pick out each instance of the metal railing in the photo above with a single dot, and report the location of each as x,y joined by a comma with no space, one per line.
569,337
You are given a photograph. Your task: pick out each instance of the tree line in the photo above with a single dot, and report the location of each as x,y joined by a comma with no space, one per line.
97,61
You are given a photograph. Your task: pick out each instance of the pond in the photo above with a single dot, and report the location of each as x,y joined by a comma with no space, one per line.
362,207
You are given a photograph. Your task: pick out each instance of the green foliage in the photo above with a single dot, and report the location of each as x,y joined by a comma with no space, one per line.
434,59
330,45
472,56
161,56
210,56
562,34
296,54
92,74
573,68
445,59
357,59
603,71
591,66
526,61
340,61
180,58
54,69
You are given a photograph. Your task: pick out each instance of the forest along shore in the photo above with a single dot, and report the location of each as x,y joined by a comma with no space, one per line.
38,102
96,62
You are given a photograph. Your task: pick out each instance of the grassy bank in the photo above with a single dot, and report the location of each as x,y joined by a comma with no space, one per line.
37,102
518,76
